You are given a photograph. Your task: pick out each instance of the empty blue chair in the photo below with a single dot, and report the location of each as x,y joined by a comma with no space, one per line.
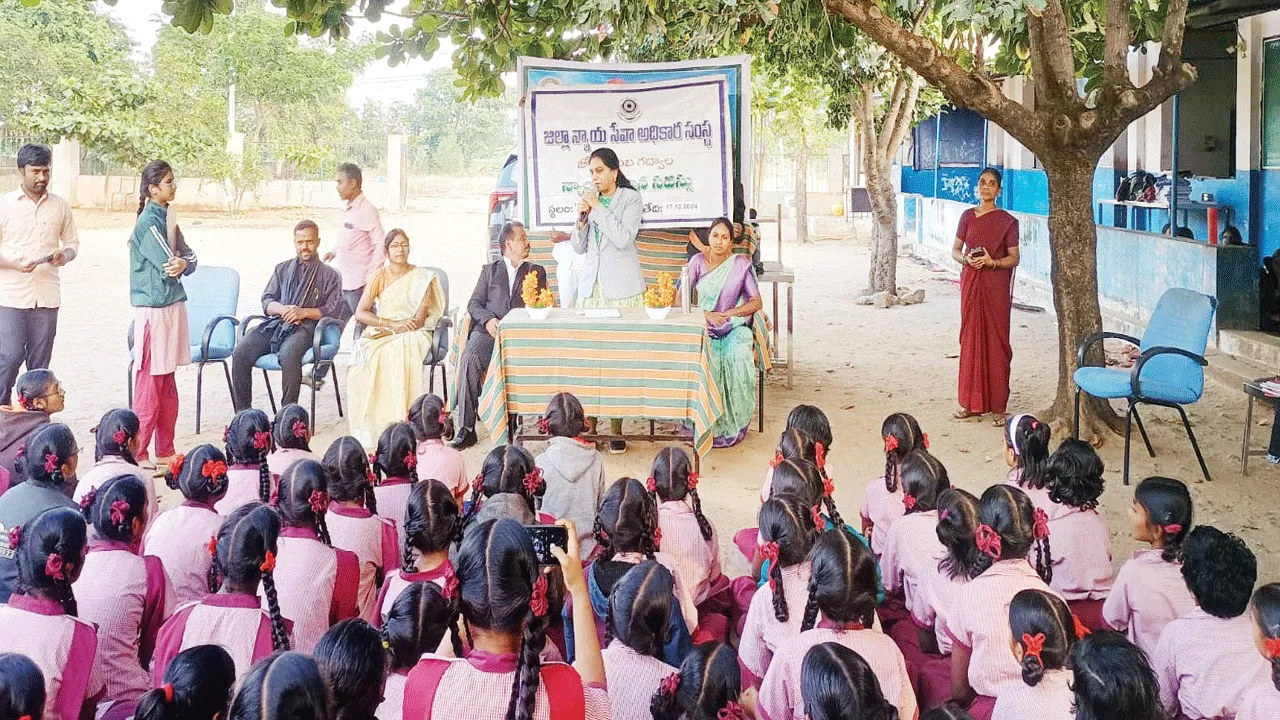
212,295
435,358
325,342
1169,372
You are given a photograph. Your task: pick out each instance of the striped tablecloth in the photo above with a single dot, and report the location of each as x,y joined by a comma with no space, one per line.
630,367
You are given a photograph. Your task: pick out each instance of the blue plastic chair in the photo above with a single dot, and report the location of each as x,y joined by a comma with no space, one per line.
439,352
1169,372
212,294
325,342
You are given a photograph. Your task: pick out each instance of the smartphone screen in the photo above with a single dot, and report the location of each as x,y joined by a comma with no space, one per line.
544,536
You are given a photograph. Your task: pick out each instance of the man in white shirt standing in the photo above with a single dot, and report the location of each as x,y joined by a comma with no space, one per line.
37,236
359,252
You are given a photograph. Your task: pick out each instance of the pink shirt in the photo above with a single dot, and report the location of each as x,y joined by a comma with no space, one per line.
632,680
979,620
1263,703
762,633
1080,543
393,497
112,466
317,585
180,538
910,565
397,580
697,560
30,232
1207,666
1050,699
438,461
234,621
881,508
373,540
391,707
242,488
1039,497
1148,594
359,249
780,692
479,688
62,647
283,459
128,598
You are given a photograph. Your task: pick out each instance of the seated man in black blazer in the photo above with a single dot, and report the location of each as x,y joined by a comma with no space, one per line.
496,294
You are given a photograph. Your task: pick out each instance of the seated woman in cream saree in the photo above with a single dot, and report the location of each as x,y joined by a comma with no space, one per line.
386,368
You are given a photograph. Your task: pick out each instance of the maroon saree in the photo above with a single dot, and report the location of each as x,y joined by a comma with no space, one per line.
986,300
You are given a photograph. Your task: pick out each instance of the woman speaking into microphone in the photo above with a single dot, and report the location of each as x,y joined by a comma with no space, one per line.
608,219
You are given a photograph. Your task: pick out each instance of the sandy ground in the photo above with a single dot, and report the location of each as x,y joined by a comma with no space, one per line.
857,363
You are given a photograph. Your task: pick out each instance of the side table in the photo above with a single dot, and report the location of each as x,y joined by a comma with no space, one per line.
1253,390
775,273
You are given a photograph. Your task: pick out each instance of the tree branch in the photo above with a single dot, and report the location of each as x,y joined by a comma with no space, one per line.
894,109
1115,55
1175,29
899,133
1059,65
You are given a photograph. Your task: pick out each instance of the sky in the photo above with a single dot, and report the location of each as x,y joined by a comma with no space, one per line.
142,20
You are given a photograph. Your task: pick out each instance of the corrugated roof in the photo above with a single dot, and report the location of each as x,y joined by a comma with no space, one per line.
1212,13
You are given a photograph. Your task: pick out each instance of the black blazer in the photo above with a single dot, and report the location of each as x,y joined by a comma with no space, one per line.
493,297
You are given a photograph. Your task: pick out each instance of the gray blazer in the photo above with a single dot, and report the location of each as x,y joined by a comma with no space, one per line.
615,259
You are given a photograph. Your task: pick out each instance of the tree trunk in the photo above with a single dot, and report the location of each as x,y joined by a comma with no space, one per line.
1073,241
883,276
802,190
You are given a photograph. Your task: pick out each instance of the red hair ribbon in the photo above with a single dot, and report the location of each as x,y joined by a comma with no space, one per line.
1081,629
22,452
1034,645
924,440
226,433
268,562
769,551
692,482
908,501
1271,646
890,443
538,599
213,469
319,501
657,537
50,462
1040,527
168,692
15,536
442,417
87,501
651,484
819,524
1172,528
544,426
820,455
299,429
411,460
731,711
943,514
450,583
371,476
53,566
213,546
119,511
828,486
988,541
533,481
777,459
670,685
477,484
261,440
175,465
851,625
119,436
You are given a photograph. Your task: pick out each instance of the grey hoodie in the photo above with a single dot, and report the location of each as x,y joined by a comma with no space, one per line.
574,474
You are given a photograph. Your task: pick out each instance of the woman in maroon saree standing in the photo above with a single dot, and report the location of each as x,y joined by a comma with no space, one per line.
987,246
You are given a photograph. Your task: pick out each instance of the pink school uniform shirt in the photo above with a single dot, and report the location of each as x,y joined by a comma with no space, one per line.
479,687
780,692
881,508
1080,542
979,620
281,460
112,466
910,565
373,540
397,580
391,707
632,679
1263,703
359,249
1148,594
1051,699
242,488
128,598
393,497
1039,497
1208,665
62,647
438,461
317,585
234,621
180,538
697,560
762,632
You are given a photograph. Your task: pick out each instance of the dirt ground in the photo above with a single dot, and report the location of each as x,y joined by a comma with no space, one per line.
857,363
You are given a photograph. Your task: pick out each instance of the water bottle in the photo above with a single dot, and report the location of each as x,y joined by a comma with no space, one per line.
684,290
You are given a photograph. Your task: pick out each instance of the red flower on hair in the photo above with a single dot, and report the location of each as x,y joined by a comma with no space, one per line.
268,562
533,481
213,546
692,482
299,429
319,501
819,524
213,469
87,501
544,426
731,711
769,551
1033,645
777,459
1172,528
988,541
820,455
1081,630
119,511
50,462
53,566
371,476
924,440
442,417
1040,526
908,501
670,685
119,436
175,465
450,583
261,440
657,537
477,484
828,486
1271,646
15,536
538,599
411,460
890,443
651,484
168,692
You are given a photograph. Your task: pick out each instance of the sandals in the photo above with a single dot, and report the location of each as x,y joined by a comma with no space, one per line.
999,419
963,414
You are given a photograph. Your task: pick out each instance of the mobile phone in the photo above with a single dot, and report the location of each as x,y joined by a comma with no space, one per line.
544,536
978,252
44,260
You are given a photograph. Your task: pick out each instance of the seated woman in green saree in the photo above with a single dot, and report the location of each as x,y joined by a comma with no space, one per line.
724,285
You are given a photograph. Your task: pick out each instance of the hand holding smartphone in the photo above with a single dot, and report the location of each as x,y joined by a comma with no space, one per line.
544,536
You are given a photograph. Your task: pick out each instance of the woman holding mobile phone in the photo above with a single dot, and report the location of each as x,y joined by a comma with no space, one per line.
987,247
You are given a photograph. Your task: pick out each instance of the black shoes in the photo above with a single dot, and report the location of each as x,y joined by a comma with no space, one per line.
466,438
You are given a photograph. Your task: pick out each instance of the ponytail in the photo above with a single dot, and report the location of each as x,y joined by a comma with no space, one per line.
674,479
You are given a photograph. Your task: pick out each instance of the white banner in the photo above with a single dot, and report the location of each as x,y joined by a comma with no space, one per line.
672,139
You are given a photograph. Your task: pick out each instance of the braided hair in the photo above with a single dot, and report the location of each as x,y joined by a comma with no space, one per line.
810,420
1008,512
627,520
21,687
708,680
201,475
1266,617
291,428
498,575
1167,503
50,555
347,472
565,417
353,663
1028,437
432,522
419,618
114,433
800,478
304,498
957,521
46,453
505,469
923,479
901,435
197,686
250,440
246,546
397,454
429,419
115,507
1043,627
836,683
786,521
842,581
672,473
639,612
284,685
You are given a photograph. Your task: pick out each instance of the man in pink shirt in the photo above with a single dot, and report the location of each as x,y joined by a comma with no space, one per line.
37,236
359,252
